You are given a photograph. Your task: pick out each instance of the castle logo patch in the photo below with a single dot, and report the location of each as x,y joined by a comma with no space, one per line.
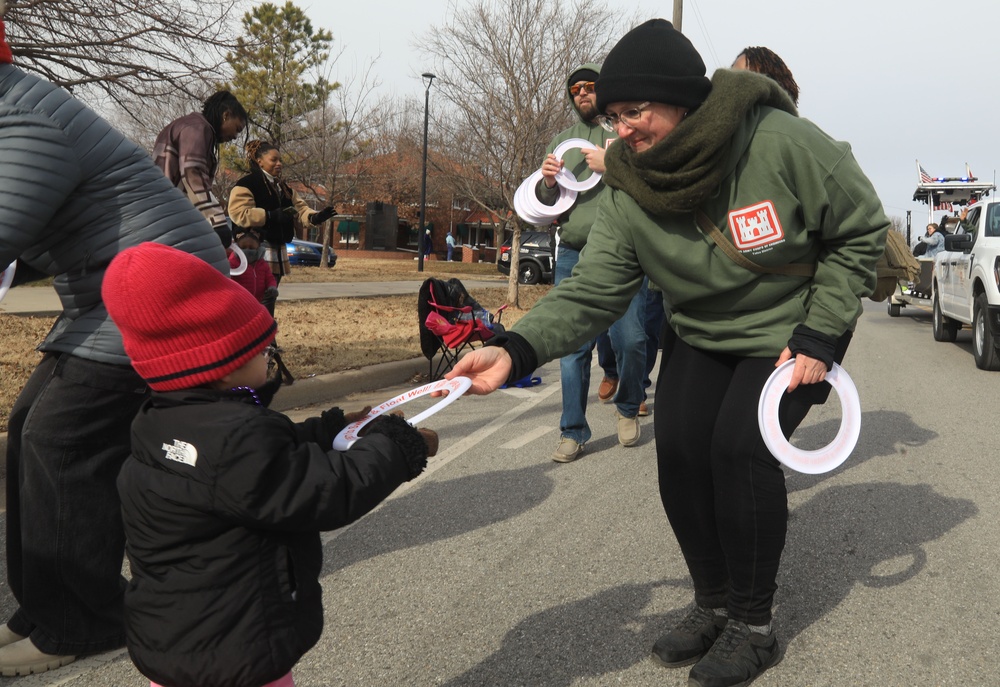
755,226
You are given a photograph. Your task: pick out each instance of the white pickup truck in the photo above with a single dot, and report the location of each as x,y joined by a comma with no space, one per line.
967,284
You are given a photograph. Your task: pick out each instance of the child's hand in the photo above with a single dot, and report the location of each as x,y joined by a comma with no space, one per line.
431,439
357,415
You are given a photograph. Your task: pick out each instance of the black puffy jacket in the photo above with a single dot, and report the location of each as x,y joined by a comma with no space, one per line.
223,502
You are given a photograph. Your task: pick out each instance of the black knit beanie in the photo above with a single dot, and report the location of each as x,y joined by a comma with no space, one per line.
653,62
581,75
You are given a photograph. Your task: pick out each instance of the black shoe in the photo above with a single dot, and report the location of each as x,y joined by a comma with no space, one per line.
737,658
690,640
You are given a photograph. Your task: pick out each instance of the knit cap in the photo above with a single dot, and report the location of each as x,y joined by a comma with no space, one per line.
582,74
5,54
184,324
653,62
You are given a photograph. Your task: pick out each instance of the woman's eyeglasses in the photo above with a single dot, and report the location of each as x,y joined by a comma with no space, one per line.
581,87
629,117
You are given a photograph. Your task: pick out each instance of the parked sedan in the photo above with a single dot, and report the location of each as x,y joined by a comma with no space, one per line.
307,253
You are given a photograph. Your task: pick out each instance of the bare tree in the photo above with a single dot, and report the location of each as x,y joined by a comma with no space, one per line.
146,48
502,67
342,131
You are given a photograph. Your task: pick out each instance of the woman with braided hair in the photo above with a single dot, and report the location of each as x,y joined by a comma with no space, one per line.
765,61
264,201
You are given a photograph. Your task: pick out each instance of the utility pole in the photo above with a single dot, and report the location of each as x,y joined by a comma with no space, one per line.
678,13
908,227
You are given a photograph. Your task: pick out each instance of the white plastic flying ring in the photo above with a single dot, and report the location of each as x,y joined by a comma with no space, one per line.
455,388
242,267
819,460
566,178
6,277
532,210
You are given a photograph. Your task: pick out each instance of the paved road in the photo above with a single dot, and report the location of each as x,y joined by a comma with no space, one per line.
500,567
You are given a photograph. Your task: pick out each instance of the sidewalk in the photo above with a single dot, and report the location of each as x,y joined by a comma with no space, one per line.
41,301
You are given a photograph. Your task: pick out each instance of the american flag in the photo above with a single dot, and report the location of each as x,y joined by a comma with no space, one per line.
925,178
947,207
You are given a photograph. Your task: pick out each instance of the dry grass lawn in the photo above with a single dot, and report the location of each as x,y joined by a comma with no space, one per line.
318,336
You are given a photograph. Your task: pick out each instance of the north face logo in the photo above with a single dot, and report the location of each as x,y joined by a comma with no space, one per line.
755,226
181,451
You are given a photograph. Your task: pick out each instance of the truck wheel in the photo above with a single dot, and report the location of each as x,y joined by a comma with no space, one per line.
945,328
893,309
529,273
983,345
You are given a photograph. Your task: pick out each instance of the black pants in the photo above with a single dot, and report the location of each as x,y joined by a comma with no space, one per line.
68,435
723,491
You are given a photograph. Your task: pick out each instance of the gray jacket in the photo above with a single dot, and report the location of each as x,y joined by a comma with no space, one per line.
73,193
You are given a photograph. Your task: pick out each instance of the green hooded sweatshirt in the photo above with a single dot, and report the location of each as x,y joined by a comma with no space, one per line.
775,185
575,223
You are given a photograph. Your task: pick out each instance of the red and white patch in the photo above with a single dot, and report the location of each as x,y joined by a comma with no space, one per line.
755,226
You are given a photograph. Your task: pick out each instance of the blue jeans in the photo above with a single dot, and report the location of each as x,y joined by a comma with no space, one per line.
629,343
655,316
68,435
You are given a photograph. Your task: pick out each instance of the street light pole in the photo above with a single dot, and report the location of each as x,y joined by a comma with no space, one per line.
423,176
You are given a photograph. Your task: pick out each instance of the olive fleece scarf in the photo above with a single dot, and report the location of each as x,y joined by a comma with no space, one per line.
682,170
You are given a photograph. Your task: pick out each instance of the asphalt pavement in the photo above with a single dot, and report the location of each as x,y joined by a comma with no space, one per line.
500,567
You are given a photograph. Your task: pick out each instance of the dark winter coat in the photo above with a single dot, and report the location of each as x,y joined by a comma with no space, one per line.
223,502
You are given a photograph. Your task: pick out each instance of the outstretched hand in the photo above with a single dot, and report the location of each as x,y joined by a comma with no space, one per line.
430,438
357,415
488,368
323,215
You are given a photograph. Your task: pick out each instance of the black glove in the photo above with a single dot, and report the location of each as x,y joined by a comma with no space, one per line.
813,344
322,216
280,226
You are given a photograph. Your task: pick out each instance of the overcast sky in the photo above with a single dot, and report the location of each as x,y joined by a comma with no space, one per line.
900,80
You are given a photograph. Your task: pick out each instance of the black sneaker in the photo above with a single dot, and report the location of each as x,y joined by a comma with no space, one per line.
690,640
737,658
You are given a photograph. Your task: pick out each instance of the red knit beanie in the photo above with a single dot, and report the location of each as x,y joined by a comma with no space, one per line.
184,323
5,53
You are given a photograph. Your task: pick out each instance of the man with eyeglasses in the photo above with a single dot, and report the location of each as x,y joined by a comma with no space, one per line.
762,232
627,335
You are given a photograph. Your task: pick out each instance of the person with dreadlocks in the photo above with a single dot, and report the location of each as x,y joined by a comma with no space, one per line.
74,193
765,61
263,200
187,150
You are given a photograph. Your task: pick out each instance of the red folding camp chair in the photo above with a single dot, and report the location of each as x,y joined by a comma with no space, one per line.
451,321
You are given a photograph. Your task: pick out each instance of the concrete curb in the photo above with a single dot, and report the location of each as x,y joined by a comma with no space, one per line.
322,388
329,387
